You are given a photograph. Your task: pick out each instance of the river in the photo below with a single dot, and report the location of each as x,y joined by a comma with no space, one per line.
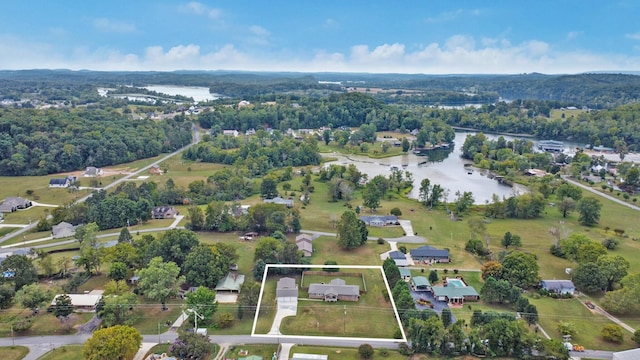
445,168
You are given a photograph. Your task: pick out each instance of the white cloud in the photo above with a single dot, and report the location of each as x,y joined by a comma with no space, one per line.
258,35
259,30
331,24
635,36
197,8
113,26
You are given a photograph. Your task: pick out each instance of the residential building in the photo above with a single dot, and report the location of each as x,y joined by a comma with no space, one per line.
230,283
82,302
287,289
337,289
304,243
632,354
558,286
155,169
13,203
299,356
430,254
420,283
280,201
405,274
455,292
62,182
92,171
63,230
380,220
164,212
233,133
399,258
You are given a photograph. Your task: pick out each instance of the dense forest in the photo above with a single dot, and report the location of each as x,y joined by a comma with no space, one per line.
40,142
597,91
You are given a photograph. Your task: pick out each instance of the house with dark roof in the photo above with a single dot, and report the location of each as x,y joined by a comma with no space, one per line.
287,288
380,220
430,254
420,283
62,182
280,201
63,230
399,258
558,286
13,203
335,290
164,212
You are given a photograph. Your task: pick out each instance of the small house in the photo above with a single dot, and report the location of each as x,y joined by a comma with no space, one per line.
164,212
560,287
63,230
380,220
304,243
155,169
399,258
13,203
420,283
287,289
230,283
337,289
82,302
92,171
430,254
405,274
456,293
233,133
280,201
62,182
632,354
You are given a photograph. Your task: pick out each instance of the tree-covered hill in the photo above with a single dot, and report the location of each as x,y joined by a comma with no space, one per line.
39,142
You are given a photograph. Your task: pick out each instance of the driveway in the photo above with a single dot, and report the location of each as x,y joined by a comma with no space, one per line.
438,306
286,307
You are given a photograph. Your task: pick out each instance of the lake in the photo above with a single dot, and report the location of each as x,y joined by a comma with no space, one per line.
445,168
198,93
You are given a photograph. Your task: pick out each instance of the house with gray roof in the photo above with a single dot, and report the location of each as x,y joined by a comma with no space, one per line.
399,258
64,182
92,171
380,220
63,230
305,244
287,288
632,354
230,283
164,212
13,203
280,201
558,286
430,254
335,290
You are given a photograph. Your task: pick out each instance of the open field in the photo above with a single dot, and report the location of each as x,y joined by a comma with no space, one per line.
371,316
338,353
67,352
183,172
326,248
266,351
13,352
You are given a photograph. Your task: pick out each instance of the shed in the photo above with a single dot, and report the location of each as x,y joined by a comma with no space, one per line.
232,282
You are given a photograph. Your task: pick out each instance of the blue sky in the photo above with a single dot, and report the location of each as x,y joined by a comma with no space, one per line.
408,36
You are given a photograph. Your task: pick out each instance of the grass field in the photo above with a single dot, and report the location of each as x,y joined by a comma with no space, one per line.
67,352
338,353
266,351
13,352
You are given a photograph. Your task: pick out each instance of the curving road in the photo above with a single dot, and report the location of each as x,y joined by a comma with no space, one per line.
196,139
606,196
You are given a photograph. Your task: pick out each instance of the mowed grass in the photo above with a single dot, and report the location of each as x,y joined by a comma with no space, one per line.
587,323
326,248
371,316
339,353
13,352
183,172
266,351
67,352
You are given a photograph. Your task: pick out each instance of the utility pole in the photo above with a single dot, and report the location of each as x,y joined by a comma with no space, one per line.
158,333
195,318
344,330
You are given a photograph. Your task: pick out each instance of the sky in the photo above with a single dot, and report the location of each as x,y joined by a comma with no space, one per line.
373,36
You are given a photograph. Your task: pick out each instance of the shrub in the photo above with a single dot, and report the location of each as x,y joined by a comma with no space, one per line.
384,352
404,349
380,241
365,351
636,337
612,333
330,262
223,320
22,325
395,211
610,243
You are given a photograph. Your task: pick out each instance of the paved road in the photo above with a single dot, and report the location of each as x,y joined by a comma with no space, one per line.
607,196
196,139
591,354
410,239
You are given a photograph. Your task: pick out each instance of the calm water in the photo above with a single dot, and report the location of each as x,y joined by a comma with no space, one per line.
198,93
445,168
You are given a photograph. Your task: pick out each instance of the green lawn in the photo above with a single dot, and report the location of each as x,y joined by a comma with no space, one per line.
264,350
67,352
43,324
338,353
13,352
326,248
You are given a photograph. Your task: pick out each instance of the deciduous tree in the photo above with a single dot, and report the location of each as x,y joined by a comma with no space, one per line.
160,280
520,269
589,209
118,342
